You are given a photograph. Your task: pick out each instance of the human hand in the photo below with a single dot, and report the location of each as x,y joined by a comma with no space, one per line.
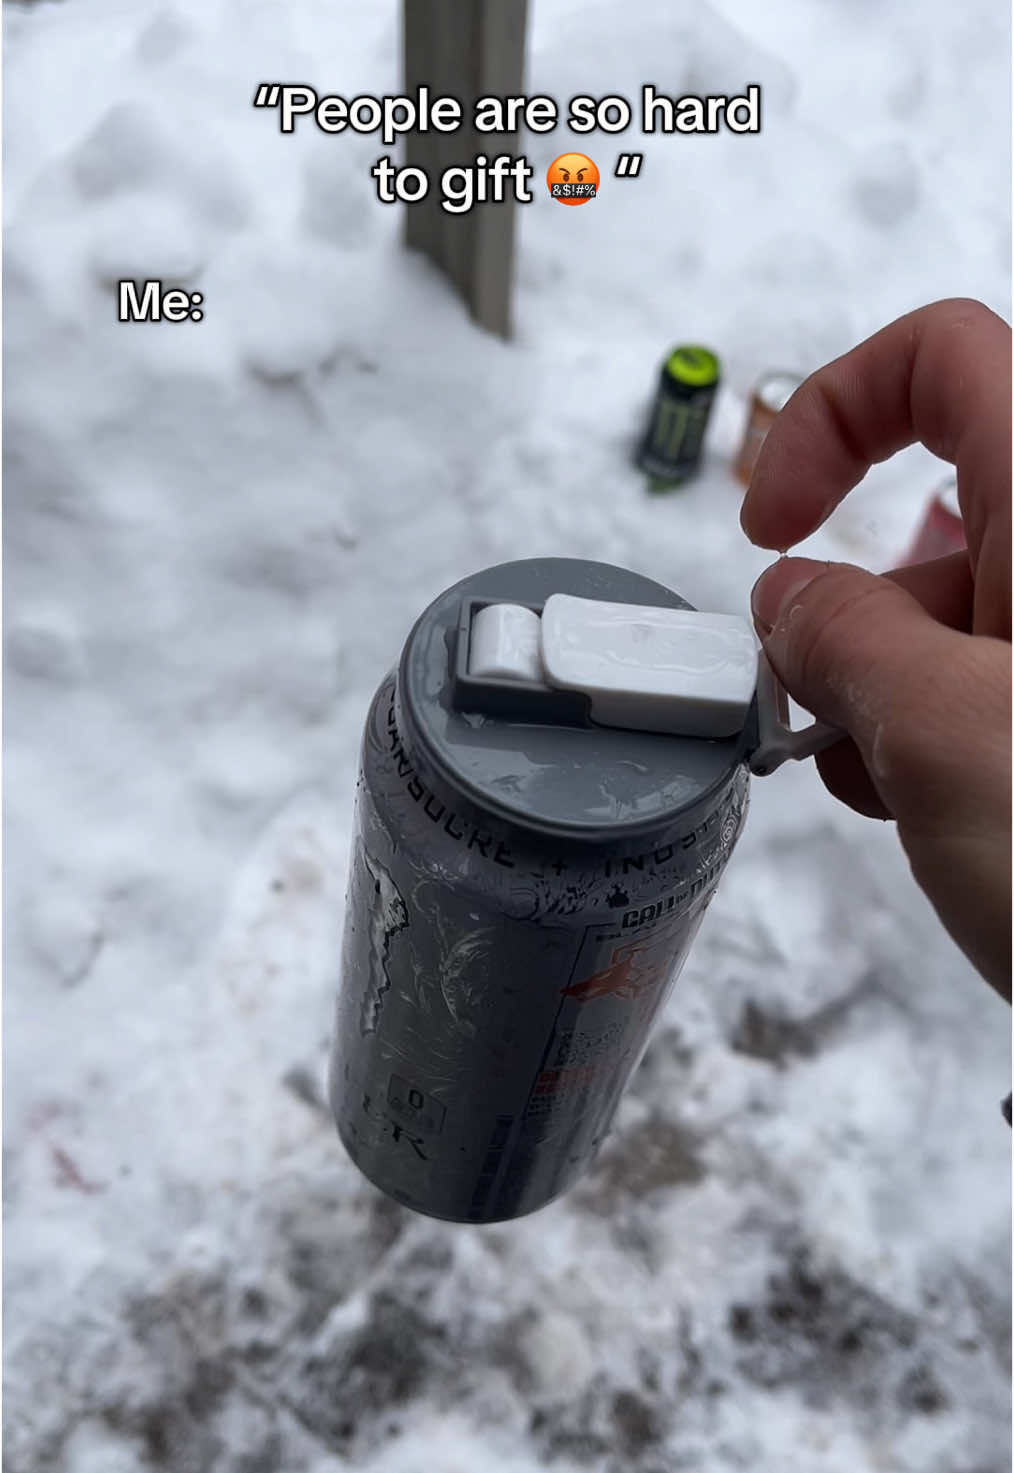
914,665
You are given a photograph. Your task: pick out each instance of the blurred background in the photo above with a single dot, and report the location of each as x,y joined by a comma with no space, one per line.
793,1252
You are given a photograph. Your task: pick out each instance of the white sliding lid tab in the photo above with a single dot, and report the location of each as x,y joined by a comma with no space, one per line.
652,669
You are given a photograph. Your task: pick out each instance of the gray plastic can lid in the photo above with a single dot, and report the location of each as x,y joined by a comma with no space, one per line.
593,783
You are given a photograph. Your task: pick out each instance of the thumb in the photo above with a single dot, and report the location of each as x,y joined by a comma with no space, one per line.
927,706
929,709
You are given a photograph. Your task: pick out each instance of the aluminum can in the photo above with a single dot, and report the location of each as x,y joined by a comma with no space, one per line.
768,399
522,896
941,531
673,442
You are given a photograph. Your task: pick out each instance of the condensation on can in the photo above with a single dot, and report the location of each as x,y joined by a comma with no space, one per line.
941,530
768,399
496,1000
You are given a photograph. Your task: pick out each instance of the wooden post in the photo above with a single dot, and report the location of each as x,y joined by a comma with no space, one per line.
465,49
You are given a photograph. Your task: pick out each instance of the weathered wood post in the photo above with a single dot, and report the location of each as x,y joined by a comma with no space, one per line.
465,49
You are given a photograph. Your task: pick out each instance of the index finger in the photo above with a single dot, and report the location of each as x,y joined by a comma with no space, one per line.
940,375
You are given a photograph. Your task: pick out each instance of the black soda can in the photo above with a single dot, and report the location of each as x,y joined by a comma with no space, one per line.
670,451
523,892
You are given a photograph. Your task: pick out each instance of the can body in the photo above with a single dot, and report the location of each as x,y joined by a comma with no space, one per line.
768,399
499,985
671,448
942,530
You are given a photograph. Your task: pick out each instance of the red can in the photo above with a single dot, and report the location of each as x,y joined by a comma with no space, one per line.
941,531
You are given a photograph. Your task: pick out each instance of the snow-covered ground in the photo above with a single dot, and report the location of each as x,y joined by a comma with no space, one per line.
794,1251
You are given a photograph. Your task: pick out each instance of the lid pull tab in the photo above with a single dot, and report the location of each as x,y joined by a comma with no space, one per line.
586,661
777,742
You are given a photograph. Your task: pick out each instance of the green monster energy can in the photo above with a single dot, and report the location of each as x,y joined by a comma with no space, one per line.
671,449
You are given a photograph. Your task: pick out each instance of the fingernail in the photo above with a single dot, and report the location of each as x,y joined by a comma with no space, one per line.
779,586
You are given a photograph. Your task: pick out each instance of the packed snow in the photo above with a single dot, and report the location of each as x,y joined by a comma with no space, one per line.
793,1252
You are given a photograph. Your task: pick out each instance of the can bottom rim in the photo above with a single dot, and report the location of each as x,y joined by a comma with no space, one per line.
442,1216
